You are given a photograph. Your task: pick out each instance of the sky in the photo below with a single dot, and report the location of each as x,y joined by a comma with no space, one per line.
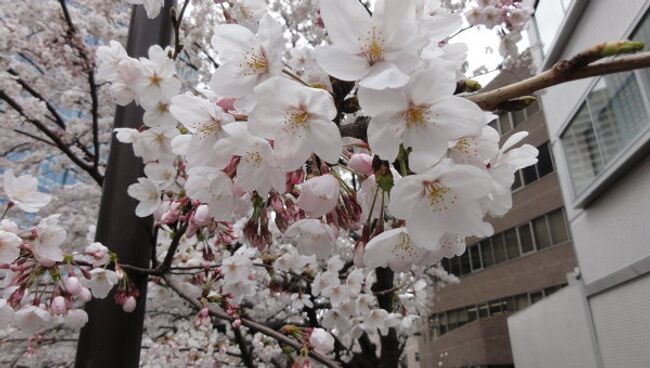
480,40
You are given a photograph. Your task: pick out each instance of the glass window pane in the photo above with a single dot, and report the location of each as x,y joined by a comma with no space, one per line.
558,226
472,313
518,117
463,317
544,161
517,183
530,174
499,248
521,301
526,238
548,16
542,238
535,297
464,264
504,123
507,305
512,244
483,310
495,308
455,266
475,257
618,111
486,253
581,150
446,265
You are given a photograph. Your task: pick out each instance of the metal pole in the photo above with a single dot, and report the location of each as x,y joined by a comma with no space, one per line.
112,338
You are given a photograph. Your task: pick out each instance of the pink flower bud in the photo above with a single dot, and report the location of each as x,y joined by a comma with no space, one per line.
58,305
129,304
202,215
85,295
361,163
319,195
72,285
236,323
226,103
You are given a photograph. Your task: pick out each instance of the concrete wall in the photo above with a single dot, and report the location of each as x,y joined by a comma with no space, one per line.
554,332
610,232
622,324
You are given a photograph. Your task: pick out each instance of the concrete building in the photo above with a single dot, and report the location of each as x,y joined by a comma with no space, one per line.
599,131
527,259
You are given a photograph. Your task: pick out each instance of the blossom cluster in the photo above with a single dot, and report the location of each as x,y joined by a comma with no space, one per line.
272,199
510,16
43,285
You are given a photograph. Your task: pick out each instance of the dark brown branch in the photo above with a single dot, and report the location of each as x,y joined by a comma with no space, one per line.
255,326
32,136
56,139
558,74
246,354
58,119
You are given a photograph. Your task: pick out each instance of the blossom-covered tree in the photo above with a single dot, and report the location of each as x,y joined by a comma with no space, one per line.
304,188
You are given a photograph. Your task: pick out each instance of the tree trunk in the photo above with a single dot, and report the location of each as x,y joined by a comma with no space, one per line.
112,337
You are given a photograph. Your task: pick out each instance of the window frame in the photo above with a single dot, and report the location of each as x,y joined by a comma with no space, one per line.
628,155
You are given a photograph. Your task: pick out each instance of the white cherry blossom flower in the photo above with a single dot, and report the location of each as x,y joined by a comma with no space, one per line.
214,188
443,199
394,249
249,12
162,173
378,51
247,59
23,192
32,319
148,193
75,318
338,294
321,341
319,195
9,246
50,236
423,115
151,7
324,280
154,144
6,313
109,58
101,282
312,237
205,120
257,169
157,114
336,320
158,79
299,121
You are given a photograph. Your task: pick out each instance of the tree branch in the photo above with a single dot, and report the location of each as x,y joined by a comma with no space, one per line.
246,356
56,139
562,72
58,119
257,327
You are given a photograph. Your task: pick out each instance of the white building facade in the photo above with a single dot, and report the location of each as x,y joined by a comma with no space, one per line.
599,131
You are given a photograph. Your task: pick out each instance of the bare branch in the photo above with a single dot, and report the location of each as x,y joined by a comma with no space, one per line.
255,326
562,72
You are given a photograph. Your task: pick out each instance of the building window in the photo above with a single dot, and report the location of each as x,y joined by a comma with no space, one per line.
506,121
534,235
611,118
548,17
531,174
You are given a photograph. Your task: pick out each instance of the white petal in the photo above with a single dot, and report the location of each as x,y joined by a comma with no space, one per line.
384,75
458,116
342,64
404,195
385,135
424,228
346,22
325,140
375,102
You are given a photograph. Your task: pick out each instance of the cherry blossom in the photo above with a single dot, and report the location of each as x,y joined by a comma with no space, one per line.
147,192
9,246
298,119
23,192
319,195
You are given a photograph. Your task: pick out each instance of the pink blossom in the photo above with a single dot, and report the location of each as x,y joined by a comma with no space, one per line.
319,195
361,163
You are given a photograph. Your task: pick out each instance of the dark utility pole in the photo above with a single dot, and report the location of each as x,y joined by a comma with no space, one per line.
112,338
